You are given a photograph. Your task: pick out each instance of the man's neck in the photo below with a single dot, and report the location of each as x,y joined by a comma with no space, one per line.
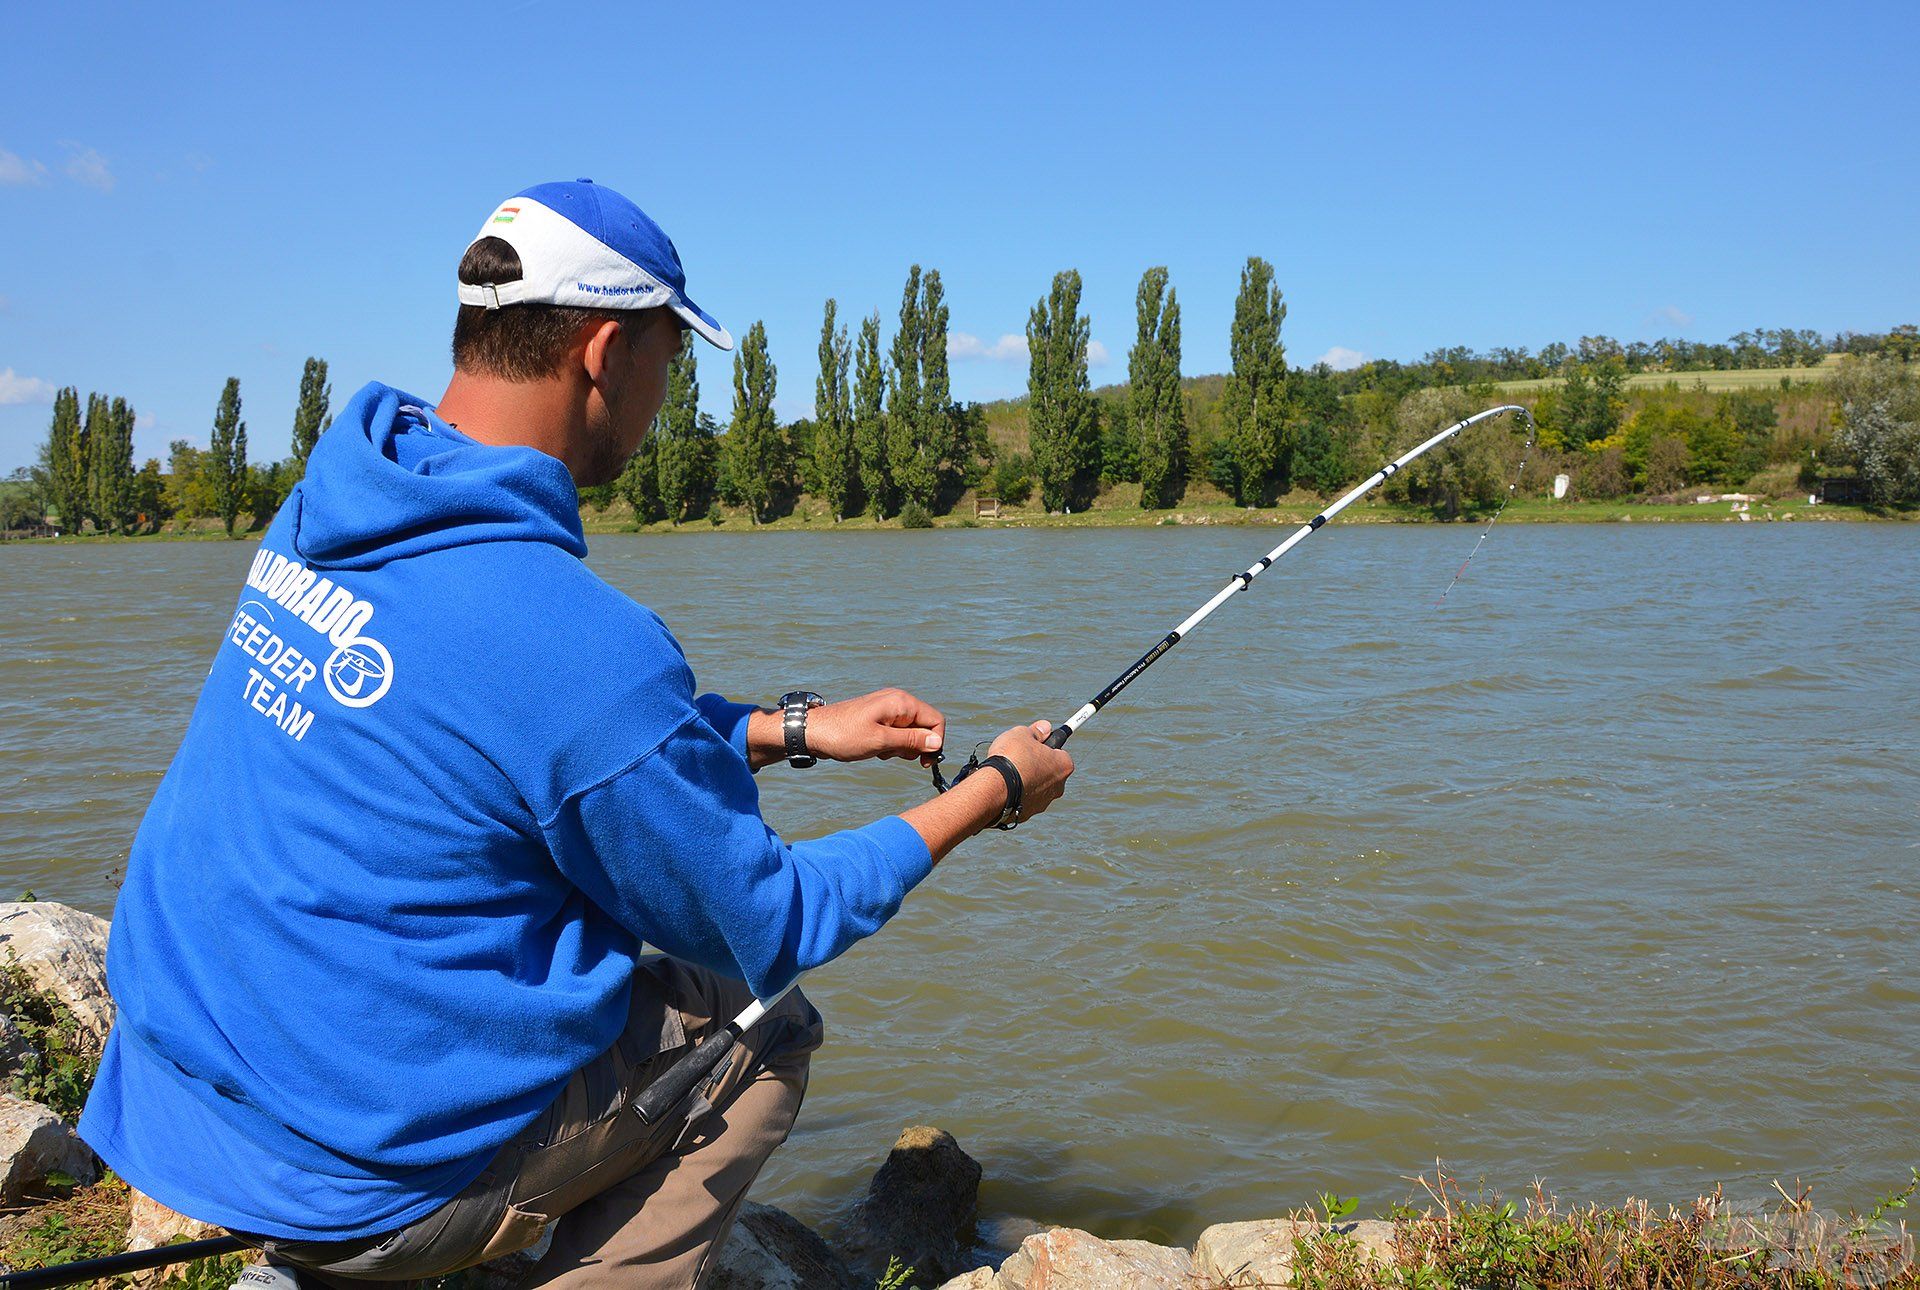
546,415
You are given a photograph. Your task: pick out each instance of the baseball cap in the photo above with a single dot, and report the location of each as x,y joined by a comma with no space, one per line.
584,245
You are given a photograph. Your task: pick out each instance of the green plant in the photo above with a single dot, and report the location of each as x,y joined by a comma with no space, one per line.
58,1067
898,1276
914,516
89,1224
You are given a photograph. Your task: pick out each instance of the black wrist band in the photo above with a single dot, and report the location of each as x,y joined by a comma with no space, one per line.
1010,816
794,707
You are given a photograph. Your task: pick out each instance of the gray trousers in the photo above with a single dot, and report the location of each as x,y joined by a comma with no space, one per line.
632,1205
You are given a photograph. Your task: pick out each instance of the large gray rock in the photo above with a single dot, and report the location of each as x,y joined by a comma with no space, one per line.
34,1143
1261,1252
919,1207
770,1249
63,951
1066,1258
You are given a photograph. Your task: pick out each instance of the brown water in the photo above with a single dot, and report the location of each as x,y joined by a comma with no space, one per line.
1604,873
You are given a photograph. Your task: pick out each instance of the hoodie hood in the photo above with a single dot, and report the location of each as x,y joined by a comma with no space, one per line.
390,479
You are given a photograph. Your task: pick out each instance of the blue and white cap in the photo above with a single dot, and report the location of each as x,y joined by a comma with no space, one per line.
589,247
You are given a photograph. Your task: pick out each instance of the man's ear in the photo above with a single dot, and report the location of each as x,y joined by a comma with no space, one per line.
603,350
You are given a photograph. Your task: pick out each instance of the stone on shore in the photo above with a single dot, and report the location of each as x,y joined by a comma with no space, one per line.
920,1206
1066,1258
1261,1252
770,1249
34,1142
63,951
151,1225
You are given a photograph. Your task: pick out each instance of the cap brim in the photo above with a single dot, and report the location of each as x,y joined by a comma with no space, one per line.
703,322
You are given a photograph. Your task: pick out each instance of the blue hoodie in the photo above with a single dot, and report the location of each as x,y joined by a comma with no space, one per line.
439,785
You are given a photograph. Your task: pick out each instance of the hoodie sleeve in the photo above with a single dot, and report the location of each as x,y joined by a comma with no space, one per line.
727,717
673,847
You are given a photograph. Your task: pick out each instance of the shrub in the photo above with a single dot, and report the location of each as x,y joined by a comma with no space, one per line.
58,1066
914,516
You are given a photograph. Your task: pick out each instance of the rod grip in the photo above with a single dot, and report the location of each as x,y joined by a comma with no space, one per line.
662,1097
1059,737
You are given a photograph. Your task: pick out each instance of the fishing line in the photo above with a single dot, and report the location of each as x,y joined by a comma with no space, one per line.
678,1082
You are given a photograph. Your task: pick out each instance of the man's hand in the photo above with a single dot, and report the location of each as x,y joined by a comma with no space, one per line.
1043,770
885,724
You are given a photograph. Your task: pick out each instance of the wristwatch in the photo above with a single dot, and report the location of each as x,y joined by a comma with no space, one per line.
795,704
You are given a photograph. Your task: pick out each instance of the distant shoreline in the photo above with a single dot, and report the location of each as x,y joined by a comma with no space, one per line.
1208,514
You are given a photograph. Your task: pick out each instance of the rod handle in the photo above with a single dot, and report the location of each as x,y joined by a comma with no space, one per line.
662,1097
1059,737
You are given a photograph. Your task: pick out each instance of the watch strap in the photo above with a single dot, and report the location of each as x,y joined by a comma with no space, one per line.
1010,814
794,707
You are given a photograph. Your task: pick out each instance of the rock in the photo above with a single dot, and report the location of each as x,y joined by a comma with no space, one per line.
919,1207
64,953
150,1225
34,1142
770,1249
1261,1252
978,1279
1066,1258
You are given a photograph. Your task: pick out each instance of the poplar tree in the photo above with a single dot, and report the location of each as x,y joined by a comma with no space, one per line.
869,421
110,466
754,442
639,480
95,434
1251,456
226,460
939,428
911,460
1155,408
683,455
834,463
64,465
1063,430
310,417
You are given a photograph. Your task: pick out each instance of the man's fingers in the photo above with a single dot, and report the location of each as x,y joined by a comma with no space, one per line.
1042,728
904,709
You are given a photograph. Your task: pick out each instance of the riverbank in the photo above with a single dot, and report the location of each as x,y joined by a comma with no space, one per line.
616,519
810,516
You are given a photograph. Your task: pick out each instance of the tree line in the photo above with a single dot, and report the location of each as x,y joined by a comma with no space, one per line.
887,438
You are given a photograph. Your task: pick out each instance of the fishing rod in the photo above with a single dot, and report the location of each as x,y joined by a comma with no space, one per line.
662,1096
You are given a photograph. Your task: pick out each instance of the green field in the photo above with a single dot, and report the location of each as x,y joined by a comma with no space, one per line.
1759,378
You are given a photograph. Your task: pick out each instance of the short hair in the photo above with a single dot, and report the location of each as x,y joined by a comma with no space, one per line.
524,342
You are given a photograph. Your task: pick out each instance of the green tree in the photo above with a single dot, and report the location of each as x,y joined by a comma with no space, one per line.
942,429
912,460
63,461
150,496
1062,429
639,481
1593,402
1878,426
310,417
225,466
1156,410
1251,462
1119,446
110,468
755,446
869,421
683,455
1316,429
835,468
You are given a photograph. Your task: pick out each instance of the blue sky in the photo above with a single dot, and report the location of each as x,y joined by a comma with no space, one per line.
185,198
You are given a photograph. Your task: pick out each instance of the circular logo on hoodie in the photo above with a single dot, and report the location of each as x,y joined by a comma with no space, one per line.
359,672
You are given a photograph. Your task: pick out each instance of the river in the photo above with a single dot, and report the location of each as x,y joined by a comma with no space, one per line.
1602,873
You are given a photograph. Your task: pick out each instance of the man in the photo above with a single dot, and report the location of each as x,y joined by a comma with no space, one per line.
383,1006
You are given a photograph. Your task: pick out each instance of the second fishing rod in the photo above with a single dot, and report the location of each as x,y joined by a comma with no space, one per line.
665,1094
